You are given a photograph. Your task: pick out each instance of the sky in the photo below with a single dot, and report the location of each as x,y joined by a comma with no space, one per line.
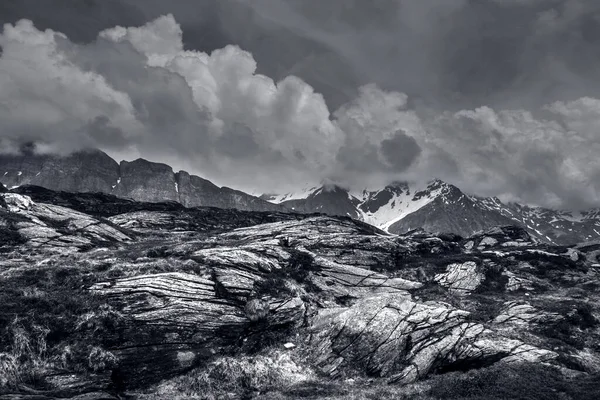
499,97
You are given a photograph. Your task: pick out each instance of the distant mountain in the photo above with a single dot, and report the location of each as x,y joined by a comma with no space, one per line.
440,207
397,208
328,199
140,180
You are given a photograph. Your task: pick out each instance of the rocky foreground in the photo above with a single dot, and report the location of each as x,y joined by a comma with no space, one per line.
103,298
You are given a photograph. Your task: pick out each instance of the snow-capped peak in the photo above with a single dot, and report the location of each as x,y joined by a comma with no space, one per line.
380,208
394,202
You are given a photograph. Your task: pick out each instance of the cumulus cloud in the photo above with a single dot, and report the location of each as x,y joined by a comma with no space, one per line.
517,156
140,91
138,87
43,93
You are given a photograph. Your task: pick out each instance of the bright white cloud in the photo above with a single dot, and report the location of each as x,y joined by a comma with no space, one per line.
45,96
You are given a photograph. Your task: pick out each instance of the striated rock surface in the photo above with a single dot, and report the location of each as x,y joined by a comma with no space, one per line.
135,297
55,228
460,278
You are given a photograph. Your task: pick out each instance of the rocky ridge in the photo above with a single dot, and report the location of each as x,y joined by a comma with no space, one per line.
159,296
93,171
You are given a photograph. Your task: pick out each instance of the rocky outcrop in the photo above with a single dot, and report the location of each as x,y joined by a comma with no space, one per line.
56,228
404,341
170,293
460,278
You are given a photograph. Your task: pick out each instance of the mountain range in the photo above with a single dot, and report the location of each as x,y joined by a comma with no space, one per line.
438,206
399,207
140,180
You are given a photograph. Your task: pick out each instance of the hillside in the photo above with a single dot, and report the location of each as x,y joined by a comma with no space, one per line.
161,301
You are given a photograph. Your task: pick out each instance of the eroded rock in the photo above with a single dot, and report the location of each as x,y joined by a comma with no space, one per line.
461,278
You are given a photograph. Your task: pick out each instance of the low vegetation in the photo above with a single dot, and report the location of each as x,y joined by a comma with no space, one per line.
278,377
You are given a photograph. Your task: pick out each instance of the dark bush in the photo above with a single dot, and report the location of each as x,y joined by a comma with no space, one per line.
158,252
582,316
10,237
299,265
495,280
483,308
571,329
272,286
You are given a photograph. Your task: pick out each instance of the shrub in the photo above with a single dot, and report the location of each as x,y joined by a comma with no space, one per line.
9,238
273,286
25,360
494,279
257,310
299,265
571,329
101,360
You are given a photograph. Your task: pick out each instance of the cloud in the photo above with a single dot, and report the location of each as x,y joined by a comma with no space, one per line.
138,87
140,91
44,96
518,156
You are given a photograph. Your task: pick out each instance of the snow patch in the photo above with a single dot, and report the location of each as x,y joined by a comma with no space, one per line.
301,194
399,206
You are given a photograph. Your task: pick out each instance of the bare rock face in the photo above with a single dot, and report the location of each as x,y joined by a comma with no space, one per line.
142,180
382,334
85,171
196,322
172,289
56,228
460,278
195,191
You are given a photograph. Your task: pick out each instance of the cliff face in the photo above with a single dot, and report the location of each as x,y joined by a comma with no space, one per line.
86,171
141,180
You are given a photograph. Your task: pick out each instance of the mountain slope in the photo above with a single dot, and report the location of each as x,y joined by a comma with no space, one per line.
140,180
440,207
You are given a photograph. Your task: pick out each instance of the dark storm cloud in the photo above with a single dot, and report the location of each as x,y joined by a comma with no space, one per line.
448,53
496,96
400,151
